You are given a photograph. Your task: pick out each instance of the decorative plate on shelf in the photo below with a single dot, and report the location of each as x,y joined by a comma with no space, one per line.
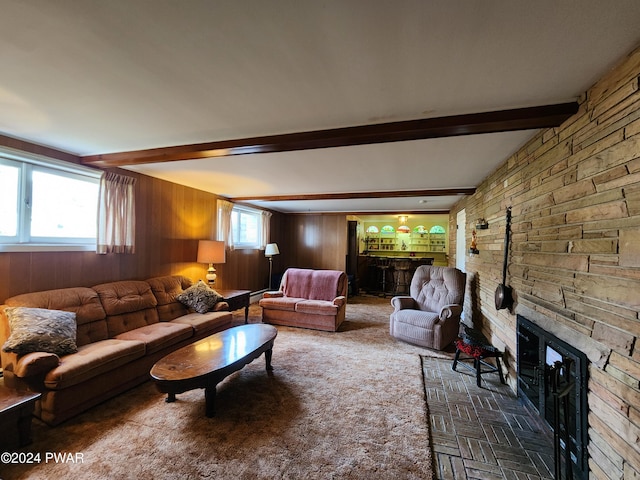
403,229
373,229
387,229
419,229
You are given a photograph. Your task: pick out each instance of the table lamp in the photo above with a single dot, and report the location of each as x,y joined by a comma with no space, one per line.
211,251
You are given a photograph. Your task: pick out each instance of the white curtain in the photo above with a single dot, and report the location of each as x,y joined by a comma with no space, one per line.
225,234
266,229
116,214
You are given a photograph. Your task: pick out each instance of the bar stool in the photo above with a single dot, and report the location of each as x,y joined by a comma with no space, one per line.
402,273
383,265
477,348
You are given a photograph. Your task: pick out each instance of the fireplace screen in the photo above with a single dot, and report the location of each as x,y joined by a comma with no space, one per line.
552,378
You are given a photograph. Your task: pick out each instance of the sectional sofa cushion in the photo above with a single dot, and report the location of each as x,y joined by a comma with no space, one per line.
83,301
280,302
93,360
158,335
317,307
166,289
313,284
40,330
203,323
129,304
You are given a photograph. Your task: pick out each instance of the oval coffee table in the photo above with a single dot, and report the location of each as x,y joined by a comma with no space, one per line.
207,362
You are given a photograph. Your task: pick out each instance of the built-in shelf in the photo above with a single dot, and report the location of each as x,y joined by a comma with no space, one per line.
405,242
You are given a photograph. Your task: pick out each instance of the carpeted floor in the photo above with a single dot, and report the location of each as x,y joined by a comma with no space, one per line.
344,405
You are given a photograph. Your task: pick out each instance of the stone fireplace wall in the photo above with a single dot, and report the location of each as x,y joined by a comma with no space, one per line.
574,261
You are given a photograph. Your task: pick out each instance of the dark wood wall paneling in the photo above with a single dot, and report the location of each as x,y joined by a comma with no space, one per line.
170,220
315,241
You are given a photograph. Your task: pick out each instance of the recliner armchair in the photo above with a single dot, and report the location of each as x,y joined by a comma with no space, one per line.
430,317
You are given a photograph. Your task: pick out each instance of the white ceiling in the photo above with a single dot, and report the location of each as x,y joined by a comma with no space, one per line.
95,77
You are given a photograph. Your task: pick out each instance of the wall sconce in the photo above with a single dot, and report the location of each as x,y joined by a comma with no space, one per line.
482,224
270,250
211,251
402,219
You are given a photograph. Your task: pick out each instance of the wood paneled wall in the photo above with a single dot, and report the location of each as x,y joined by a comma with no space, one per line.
575,255
314,241
170,221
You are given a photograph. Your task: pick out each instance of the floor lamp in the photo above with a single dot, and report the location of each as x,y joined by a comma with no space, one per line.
269,252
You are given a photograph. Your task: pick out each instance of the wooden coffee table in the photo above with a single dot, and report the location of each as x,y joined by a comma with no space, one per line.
207,362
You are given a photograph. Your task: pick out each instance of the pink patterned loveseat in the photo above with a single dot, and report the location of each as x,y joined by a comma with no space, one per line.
307,298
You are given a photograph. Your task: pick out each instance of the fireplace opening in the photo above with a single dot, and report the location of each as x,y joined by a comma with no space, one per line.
552,379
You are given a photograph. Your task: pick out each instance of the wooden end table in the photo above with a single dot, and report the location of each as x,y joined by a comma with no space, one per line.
207,362
16,409
237,299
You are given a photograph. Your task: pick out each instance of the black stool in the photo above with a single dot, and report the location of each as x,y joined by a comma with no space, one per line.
477,348
383,265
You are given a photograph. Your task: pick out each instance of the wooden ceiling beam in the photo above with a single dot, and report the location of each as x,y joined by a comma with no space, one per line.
376,212
358,195
469,124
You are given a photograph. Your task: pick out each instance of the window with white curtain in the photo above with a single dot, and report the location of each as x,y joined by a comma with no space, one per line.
246,227
240,226
44,202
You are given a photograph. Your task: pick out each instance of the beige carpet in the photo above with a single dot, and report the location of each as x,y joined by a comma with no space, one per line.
345,405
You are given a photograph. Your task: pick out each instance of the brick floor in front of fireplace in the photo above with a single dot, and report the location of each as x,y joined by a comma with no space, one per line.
482,433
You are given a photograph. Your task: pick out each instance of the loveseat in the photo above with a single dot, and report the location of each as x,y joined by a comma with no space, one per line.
307,298
121,329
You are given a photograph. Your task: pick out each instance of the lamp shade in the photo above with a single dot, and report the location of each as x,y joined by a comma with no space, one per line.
211,251
271,249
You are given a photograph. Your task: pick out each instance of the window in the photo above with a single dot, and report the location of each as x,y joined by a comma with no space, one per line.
45,202
246,227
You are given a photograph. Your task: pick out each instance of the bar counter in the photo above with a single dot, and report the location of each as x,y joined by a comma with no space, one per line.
388,275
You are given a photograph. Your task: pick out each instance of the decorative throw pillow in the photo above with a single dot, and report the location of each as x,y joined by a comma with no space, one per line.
40,330
200,297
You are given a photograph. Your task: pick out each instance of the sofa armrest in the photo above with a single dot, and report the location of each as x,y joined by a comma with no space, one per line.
340,301
221,307
449,311
403,303
273,294
35,363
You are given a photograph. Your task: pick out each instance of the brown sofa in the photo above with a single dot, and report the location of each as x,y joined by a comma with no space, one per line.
307,298
123,328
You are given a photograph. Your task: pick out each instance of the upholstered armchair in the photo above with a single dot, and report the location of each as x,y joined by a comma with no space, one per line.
430,317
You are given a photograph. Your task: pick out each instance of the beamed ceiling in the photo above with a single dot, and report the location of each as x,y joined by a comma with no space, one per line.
354,106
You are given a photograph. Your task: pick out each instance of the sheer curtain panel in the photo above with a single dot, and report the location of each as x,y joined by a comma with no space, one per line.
116,214
266,229
225,234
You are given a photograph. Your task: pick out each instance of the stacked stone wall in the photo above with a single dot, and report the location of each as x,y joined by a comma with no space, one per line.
574,255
